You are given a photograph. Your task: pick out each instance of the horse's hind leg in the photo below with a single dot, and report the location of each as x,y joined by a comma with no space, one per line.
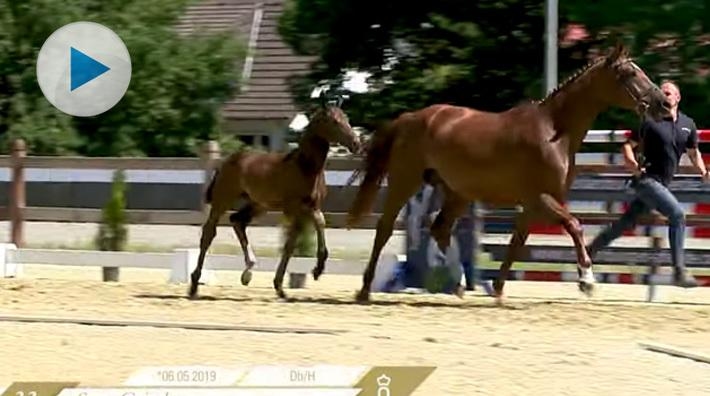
209,230
322,250
403,182
240,220
517,241
573,227
453,207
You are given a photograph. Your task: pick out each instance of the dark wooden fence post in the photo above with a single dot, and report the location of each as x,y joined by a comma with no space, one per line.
17,193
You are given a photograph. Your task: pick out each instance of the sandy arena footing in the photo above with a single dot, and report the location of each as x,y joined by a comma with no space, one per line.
547,340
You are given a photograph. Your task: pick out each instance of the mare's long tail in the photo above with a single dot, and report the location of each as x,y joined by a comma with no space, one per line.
375,166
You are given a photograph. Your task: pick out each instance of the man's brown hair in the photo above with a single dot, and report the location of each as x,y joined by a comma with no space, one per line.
669,81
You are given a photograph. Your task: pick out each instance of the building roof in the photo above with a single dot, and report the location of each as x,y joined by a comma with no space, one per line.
264,91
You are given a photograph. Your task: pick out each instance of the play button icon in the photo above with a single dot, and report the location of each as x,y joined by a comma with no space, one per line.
83,69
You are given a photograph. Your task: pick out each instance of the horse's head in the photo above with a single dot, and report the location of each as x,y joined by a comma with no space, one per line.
627,86
331,123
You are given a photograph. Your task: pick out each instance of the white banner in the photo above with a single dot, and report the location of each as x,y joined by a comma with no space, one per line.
194,376
207,392
309,376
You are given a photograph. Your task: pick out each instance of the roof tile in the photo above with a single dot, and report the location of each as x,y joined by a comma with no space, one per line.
266,93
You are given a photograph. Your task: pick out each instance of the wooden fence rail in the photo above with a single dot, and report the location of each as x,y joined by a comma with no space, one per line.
596,182
18,212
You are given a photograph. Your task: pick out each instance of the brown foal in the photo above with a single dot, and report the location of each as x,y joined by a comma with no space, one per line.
293,183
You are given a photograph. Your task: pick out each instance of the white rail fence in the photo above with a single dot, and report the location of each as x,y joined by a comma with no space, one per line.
180,263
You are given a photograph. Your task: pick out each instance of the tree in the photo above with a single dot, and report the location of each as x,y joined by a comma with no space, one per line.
486,54
177,86
668,39
113,233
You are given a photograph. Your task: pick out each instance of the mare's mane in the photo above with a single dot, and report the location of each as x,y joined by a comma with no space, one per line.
568,81
572,78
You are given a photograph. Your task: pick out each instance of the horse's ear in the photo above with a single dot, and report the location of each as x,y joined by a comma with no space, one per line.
323,101
624,50
620,51
311,108
341,99
319,97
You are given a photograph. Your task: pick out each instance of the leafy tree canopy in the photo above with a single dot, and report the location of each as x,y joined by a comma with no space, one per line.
487,54
177,87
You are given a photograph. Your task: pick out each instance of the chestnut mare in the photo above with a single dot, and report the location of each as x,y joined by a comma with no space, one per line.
523,156
293,183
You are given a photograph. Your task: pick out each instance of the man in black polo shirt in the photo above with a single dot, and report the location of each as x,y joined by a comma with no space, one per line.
663,143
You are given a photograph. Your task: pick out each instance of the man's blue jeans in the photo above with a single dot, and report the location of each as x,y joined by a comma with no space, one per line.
650,194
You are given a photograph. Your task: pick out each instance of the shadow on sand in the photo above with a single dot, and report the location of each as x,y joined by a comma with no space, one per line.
468,302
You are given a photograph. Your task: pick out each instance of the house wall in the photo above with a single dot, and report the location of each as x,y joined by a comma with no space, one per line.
274,129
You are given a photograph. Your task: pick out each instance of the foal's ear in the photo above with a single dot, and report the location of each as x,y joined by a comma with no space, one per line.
311,108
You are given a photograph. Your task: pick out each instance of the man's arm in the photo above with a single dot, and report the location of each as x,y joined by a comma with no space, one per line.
697,159
627,149
694,154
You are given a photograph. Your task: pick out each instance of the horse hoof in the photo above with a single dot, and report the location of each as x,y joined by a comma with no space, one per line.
488,288
281,295
586,288
317,272
192,293
499,300
362,296
246,277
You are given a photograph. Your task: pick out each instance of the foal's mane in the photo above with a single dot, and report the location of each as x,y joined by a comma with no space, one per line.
306,132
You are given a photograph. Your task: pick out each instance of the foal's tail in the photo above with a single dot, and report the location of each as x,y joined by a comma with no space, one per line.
375,165
210,187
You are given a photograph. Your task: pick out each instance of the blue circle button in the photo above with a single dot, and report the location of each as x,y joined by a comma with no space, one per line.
84,69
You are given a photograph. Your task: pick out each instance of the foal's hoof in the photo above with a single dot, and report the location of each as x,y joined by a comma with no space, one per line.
586,287
317,272
362,296
192,292
281,294
246,277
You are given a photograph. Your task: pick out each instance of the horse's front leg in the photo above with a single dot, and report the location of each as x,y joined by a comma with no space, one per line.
322,250
294,230
573,227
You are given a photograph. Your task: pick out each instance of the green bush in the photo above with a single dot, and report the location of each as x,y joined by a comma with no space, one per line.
306,242
437,279
113,233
